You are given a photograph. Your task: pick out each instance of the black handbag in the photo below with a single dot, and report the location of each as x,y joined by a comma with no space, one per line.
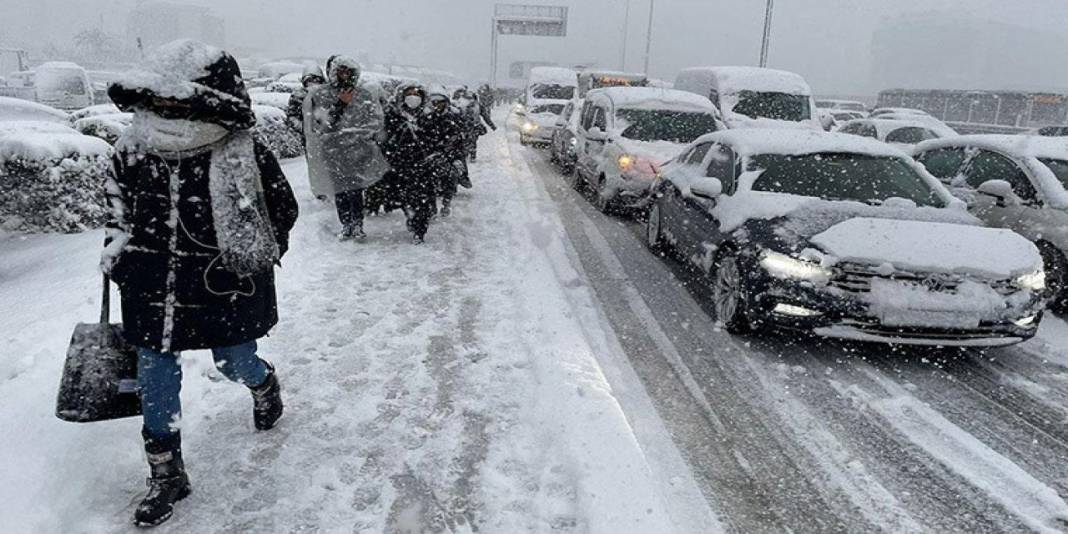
100,375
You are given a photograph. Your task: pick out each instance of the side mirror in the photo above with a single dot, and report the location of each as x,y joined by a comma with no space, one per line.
1001,191
709,188
596,134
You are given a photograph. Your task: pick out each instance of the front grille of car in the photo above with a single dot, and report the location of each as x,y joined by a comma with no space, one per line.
983,331
857,279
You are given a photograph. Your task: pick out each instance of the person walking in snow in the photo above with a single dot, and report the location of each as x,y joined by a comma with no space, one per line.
346,118
476,118
312,77
444,126
200,213
487,98
408,149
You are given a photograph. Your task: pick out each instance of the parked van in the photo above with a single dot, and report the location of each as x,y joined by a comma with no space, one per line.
551,85
751,97
63,85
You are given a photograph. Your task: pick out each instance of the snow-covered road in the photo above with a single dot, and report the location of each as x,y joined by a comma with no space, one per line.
469,384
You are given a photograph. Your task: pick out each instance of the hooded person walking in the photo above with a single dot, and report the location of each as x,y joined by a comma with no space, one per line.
311,78
408,148
200,214
347,119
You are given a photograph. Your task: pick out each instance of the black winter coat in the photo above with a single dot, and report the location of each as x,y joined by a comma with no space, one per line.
175,294
407,144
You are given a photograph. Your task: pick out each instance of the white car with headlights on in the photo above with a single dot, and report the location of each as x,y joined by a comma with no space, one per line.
626,133
538,123
845,237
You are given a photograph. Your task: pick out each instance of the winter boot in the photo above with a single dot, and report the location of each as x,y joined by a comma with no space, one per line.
267,401
348,232
358,233
446,207
168,484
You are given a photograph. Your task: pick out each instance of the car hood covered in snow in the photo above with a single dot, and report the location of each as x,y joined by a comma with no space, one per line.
923,246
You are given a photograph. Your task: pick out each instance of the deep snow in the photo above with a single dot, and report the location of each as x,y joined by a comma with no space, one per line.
456,386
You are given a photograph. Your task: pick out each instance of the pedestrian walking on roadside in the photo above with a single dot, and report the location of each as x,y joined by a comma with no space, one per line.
200,214
408,149
347,119
444,125
312,77
476,119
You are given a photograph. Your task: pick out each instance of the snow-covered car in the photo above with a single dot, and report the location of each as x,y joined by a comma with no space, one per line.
108,127
94,111
1049,131
565,137
842,105
751,97
626,133
286,84
276,100
1014,182
63,85
16,109
880,112
550,85
51,177
538,123
845,237
900,133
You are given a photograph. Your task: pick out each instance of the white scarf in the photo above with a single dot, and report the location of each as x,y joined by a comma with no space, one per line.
173,135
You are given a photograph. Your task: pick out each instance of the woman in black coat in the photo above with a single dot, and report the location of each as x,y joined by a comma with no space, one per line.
408,148
200,215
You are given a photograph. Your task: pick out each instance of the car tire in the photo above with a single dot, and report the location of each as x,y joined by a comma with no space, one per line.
654,233
1056,267
729,294
602,203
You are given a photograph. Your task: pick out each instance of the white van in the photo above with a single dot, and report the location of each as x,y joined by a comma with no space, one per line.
751,97
550,85
63,85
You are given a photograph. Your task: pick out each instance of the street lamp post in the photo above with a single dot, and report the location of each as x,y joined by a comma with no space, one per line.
649,36
767,34
626,28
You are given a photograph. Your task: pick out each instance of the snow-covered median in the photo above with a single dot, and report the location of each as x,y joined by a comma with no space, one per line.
435,388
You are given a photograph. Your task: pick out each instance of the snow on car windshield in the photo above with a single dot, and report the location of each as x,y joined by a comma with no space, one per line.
552,91
868,179
69,81
664,125
775,106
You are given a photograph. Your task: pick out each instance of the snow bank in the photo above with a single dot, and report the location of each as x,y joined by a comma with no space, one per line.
107,127
924,246
277,100
51,177
273,130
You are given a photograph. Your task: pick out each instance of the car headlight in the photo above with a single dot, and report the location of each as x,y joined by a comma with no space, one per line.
625,161
529,127
1035,281
783,266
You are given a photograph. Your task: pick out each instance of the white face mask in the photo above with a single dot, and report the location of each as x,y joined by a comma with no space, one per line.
413,101
173,135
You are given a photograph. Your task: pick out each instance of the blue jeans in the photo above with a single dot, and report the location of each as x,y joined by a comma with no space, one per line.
159,376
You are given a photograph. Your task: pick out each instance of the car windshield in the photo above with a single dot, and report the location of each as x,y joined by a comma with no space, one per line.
910,135
777,106
552,91
1059,168
856,177
663,125
555,109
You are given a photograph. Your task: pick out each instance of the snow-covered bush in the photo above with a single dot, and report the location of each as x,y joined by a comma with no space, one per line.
107,127
273,130
51,178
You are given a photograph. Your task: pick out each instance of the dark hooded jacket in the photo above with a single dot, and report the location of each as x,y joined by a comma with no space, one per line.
176,294
406,145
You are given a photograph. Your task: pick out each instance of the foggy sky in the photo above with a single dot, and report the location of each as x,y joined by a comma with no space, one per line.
827,41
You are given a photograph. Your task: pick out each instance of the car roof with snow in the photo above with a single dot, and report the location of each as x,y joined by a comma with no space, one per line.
794,142
734,79
885,126
1023,146
901,111
653,98
18,109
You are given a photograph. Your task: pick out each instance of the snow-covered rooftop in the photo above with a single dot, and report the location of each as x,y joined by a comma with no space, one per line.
1024,146
553,75
800,142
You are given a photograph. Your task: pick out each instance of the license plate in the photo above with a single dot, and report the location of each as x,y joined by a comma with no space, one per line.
929,318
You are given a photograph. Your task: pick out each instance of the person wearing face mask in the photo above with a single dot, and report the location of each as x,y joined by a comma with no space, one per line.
408,149
476,118
347,119
444,125
199,216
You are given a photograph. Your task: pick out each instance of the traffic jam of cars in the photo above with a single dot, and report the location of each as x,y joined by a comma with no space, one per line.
824,216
